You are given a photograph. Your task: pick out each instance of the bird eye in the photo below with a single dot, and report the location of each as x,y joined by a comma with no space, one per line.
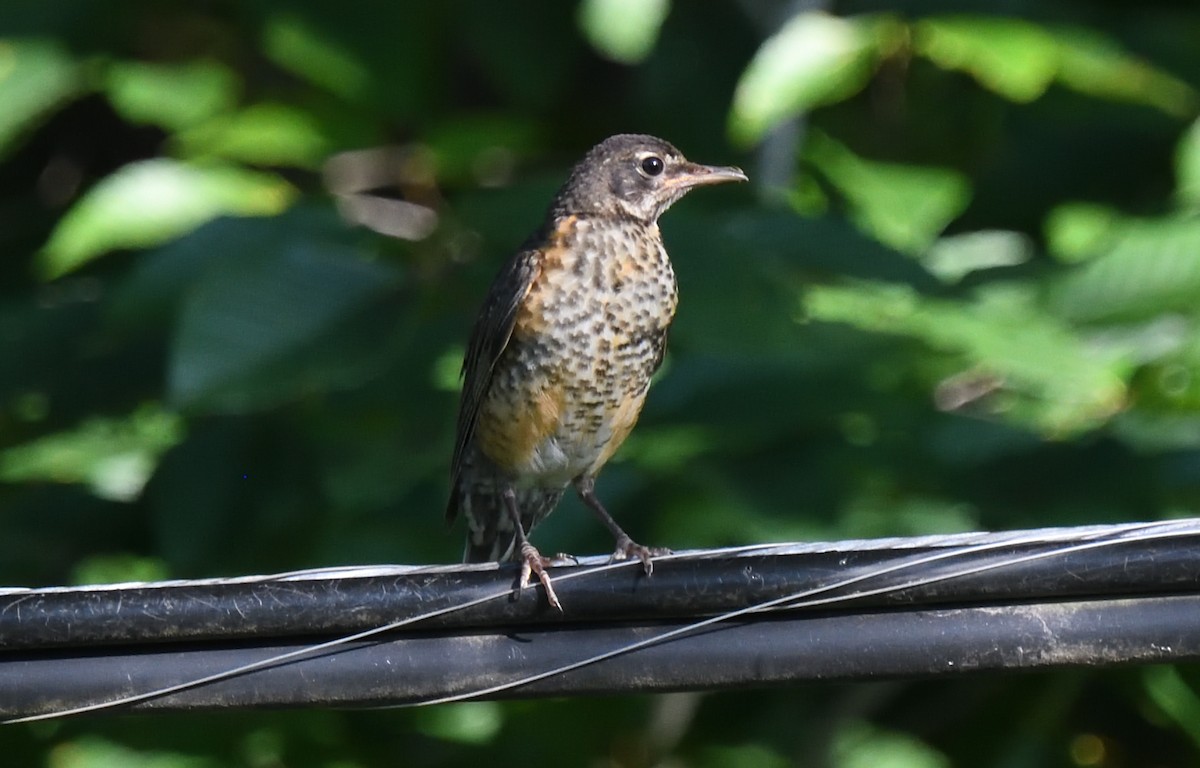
652,165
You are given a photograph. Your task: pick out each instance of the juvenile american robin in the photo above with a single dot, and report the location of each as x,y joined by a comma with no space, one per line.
561,355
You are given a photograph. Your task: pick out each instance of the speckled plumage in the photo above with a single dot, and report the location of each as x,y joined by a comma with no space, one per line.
562,353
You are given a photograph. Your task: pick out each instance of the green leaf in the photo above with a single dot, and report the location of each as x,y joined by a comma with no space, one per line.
1187,168
813,59
1156,432
623,30
115,457
862,745
152,291
98,752
151,202
953,258
753,261
263,134
1061,384
292,43
1020,59
172,96
118,569
470,722
35,79
1016,58
447,369
273,326
903,206
1092,63
1075,232
1175,698
1149,266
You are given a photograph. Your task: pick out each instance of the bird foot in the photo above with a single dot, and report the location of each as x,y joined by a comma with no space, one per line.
627,548
532,563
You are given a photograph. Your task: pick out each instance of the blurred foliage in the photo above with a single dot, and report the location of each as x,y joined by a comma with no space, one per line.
963,294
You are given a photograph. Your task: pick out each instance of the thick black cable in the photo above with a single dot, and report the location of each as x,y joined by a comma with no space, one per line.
699,585
1065,597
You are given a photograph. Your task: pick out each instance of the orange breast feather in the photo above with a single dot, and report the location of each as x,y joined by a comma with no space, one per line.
511,428
514,419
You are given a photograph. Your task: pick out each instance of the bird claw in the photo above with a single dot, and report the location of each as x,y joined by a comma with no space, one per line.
628,548
532,563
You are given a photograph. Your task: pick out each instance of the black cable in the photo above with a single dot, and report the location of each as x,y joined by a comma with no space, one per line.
1089,596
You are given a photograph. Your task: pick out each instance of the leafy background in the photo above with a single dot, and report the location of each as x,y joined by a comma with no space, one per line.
243,243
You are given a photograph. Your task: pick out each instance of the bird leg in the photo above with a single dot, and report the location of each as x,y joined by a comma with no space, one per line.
626,547
531,560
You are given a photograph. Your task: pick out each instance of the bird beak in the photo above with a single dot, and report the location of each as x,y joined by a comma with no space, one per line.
690,175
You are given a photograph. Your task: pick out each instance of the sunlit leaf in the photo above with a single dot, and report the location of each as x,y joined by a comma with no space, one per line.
118,569
1167,385
1091,63
35,78
1002,333
96,752
814,59
153,201
472,722
1149,267
293,44
447,370
1156,339
953,258
865,746
263,134
904,206
623,30
172,96
1014,57
1020,59
1187,167
115,457
1076,232
1175,698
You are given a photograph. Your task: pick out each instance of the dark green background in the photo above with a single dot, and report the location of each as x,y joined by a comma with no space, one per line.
962,293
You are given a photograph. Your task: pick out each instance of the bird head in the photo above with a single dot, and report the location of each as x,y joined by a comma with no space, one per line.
635,176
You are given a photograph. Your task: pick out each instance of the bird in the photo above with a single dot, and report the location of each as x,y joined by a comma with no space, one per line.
561,354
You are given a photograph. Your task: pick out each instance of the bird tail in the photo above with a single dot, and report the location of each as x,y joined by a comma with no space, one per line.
490,533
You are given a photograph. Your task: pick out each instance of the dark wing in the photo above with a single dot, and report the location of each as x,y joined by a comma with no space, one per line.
493,328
